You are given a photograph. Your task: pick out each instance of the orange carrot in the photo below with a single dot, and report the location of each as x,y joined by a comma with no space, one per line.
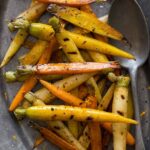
27,86
108,127
95,136
31,81
55,139
68,68
94,129
68,2
65,96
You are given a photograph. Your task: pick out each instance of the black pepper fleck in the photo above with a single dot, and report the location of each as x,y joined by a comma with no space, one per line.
122,96
52,109
57,128
66,39
120,113
89,118
72,53
71,117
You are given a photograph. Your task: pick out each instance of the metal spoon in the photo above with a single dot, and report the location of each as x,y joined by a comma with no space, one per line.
128,18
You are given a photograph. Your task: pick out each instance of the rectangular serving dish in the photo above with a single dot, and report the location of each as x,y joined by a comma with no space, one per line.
18,136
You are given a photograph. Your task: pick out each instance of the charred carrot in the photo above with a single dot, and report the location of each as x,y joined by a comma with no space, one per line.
119,106
94,129
33,56
64,113
68,2
66,84
97,57
67,68
27,86
31,81
54,138
77,17
91,44
66,97
14,46
95,136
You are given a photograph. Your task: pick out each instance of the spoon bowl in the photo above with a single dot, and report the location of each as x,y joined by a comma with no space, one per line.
127,17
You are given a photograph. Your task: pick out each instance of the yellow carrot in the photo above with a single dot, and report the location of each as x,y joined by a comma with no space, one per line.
14,46
107,98
41,31
59,128
91,44
65,113
101,57
32,57
73,127
77,17
30,14
101,85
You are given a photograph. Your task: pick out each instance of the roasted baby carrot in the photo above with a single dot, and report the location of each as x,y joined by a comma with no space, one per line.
119,106
67,68
54,138
65,113
91,44
94,128
85,21
26,87
65,96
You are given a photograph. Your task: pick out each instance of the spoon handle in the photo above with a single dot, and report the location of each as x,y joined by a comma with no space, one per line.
139,145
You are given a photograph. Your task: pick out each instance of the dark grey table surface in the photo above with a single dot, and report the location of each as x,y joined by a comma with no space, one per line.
17,136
